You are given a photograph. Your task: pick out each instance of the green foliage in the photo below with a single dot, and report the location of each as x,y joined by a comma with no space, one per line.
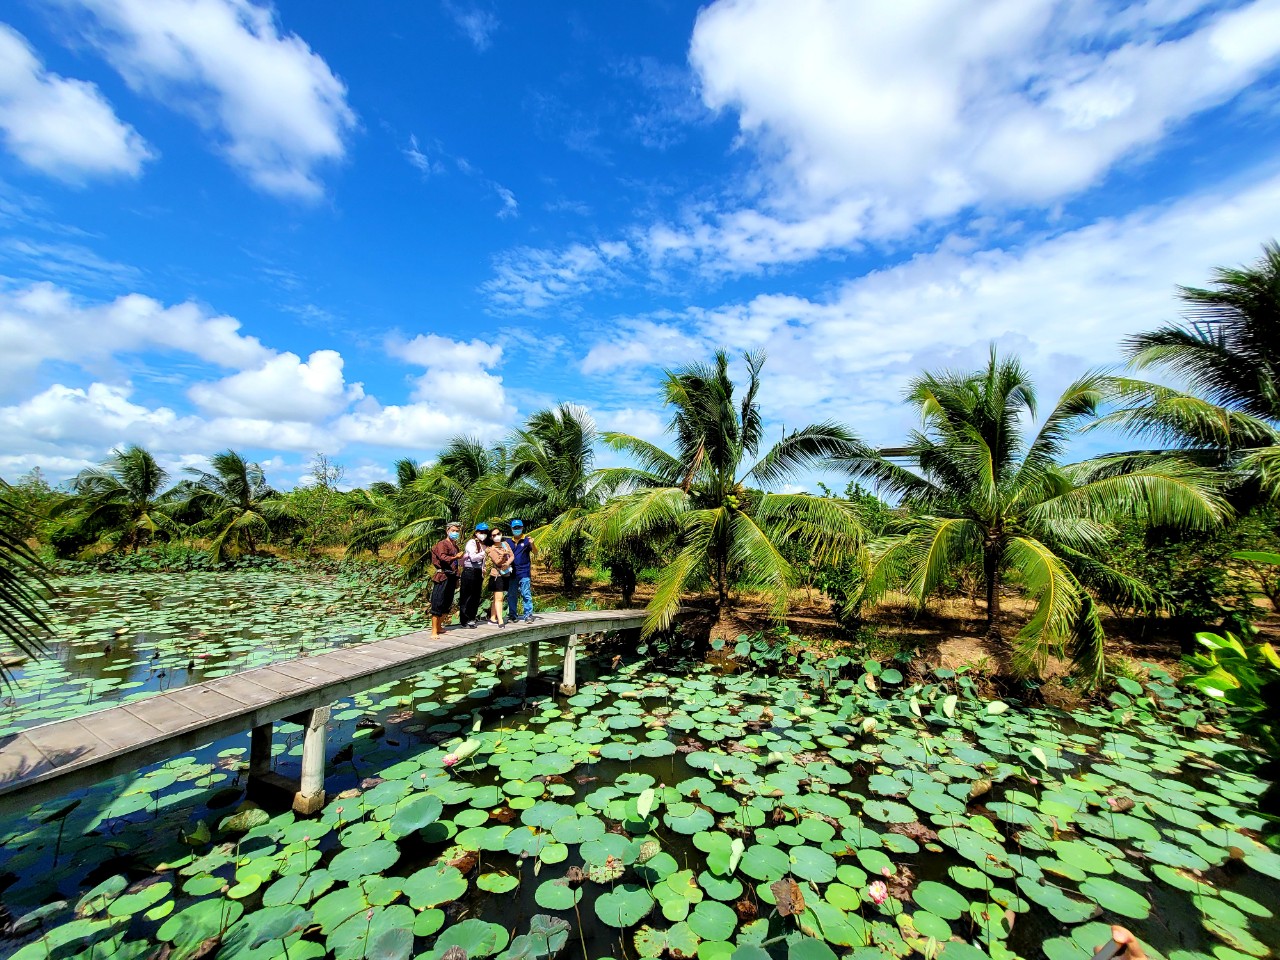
978,492
122,503
1201,579
23,588
1246,679
706,500
240,509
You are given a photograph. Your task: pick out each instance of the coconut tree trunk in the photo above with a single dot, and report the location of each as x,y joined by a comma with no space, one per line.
568,568
991,571
722,579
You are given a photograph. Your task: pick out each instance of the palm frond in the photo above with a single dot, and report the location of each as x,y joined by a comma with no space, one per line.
809,446
1058,597
24,588
1165,491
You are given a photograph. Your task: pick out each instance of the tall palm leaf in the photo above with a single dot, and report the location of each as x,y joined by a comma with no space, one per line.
550,483
985,494
122,501
239,506
705,499
24,590
1226,356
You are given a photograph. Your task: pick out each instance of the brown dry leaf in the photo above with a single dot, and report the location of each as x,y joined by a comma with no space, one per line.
915,830
746,910
1120,804
788,896
502,814
575,875
454,953
979,788
206,949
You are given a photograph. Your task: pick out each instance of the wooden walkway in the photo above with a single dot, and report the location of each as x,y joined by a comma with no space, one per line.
54,759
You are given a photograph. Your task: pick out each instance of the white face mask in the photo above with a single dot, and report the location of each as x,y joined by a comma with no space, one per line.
497,538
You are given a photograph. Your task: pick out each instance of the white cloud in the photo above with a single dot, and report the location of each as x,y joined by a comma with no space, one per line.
458,381
477,24
420,159
869,120
529,279
274,105
422,427
283,388
62,425
61,127
510,208
1064,302
43,322
637,421
432,350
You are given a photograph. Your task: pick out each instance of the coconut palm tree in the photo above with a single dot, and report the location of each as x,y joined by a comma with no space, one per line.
1227,356
123,501
710,495
23,588
550,483
441,492
385,508
978,490
239,506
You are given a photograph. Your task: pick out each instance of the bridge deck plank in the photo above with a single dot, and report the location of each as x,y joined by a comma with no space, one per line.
55,758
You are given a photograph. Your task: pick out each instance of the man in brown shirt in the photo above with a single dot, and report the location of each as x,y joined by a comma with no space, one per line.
444,557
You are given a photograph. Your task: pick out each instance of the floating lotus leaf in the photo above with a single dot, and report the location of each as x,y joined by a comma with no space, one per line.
1116,898
476,938
434,885
712,921
497,882
557,894
624,906
765,863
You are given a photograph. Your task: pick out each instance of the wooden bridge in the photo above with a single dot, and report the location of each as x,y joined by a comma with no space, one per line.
54,759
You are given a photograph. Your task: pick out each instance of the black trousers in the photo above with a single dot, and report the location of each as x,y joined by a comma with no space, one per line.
442,595
469,588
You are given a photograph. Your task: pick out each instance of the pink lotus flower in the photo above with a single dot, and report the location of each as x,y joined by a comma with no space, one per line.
450,760
878,892
338,810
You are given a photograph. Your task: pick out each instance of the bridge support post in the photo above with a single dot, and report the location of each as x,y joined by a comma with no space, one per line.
569,685
531,670
310,795
260,750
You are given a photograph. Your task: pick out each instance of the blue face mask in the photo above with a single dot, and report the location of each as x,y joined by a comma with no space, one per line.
453,534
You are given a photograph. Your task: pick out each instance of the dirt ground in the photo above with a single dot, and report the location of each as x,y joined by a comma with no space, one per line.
950,633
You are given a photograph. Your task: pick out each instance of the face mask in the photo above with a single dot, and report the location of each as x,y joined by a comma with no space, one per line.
453,534
497,538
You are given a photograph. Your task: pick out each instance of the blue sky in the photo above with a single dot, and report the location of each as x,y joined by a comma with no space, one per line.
364,228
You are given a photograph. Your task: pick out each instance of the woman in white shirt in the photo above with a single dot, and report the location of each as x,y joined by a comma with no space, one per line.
471,581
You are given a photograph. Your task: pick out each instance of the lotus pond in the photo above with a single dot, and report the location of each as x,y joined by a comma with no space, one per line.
680,810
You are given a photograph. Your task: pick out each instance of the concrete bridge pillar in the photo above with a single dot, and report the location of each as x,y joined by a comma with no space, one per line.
310,795
532,670
569,685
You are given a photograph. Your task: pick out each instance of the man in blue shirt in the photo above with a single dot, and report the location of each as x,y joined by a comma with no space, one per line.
521,572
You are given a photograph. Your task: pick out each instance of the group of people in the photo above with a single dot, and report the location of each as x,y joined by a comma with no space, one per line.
507,563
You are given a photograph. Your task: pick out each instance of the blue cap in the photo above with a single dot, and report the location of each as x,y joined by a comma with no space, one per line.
482,526
517,523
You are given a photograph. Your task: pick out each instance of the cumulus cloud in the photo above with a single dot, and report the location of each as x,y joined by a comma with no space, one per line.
432,350
275,107
1063,301
62,127
43,322
529,279
284,388
868,121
